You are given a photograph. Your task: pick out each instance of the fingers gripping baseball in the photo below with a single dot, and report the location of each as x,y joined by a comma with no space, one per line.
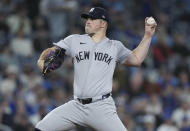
150,26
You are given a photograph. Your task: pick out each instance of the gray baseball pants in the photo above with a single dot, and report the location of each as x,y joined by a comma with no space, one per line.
100,115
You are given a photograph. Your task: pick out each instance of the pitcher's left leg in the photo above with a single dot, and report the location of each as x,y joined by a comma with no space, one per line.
103,116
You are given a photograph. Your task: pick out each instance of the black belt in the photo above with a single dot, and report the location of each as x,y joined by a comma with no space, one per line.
89,100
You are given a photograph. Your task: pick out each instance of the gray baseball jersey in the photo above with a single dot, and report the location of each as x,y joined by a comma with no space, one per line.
94,63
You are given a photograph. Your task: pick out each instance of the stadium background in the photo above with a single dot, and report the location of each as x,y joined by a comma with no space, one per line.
154,97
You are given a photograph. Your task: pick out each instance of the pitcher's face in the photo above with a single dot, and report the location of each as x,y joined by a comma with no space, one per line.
93,25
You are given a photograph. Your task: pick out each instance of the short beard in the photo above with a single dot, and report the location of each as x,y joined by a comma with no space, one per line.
91,34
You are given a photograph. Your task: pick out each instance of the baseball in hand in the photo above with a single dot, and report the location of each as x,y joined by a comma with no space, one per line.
151,21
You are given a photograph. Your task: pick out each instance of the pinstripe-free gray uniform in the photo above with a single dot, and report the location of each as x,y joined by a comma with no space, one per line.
94,65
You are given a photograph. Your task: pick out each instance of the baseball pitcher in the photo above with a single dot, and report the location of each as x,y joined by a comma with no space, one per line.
95,57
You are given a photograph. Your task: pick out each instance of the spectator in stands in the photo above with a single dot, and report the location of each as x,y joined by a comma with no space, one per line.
56,13
21,45
167,125
19,21
182,113
10,83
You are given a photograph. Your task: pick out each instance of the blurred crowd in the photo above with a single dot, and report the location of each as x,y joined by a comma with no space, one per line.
153,97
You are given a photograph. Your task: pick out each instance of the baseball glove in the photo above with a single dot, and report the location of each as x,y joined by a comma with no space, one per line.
54,60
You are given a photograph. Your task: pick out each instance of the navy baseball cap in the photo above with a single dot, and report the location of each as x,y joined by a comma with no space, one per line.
96,13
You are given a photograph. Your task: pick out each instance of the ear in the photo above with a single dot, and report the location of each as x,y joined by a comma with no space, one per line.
103,24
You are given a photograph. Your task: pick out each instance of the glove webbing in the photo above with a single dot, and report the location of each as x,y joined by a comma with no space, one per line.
46,68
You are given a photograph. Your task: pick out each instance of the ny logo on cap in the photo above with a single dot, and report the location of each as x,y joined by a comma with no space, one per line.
103,17
91,10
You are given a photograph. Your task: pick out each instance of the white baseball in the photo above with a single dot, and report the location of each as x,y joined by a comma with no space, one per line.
151,21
